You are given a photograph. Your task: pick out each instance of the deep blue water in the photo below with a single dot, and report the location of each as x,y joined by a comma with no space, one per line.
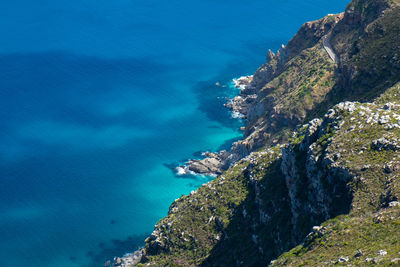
98,99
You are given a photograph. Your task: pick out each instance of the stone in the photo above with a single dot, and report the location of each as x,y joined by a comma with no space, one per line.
366,167
391,167
388,106
347,106
313,126
359,253
384,119
382,252
343,259
330,114
394,204
384,144
213,164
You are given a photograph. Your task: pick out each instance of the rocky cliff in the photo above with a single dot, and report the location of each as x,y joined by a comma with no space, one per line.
298,190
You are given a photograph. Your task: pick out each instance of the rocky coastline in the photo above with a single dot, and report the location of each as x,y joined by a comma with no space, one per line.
215,163
240,104
316,173
129,259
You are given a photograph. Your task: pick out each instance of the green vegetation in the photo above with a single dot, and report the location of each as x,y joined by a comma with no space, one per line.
199,222
371,226
359,241
341,172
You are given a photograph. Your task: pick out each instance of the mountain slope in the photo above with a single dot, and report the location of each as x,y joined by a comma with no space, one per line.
340,170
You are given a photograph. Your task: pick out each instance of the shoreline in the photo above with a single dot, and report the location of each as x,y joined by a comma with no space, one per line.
215,163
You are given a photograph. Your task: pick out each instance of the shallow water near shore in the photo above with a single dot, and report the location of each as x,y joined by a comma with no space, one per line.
100,99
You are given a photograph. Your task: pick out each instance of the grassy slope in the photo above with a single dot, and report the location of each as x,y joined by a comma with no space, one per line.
299,89
197,225
311,82
370,226
243,216
344,236
370,55
207,226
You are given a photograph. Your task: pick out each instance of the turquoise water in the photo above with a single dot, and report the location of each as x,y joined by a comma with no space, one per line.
99,100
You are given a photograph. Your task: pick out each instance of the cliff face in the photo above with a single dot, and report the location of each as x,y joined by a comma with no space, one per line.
301,81
340,170
345,163
352,170
288,86
367,40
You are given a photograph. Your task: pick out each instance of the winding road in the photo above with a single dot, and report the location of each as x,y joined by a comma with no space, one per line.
327,45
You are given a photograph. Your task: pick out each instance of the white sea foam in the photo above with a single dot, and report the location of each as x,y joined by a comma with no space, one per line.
238,82
237,115
184,170
181,170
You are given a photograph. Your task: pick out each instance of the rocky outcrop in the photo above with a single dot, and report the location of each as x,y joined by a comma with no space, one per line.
368,26
262,98
130,259
314,176
385,144
213,163
301,80
258,103
241,104
311,32
341,170
271,200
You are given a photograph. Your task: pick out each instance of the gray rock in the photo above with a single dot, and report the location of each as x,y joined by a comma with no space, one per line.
343,259
313,126
394,204
213,164
366,167
129,259
359,253
388,106
391,167
382,252
347,106
385,144
384,119
395,260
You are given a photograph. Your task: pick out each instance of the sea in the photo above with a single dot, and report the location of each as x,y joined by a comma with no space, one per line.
101,100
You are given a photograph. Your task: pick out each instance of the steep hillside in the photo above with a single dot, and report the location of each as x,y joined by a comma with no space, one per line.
346,163
291,172
366,146
301,81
